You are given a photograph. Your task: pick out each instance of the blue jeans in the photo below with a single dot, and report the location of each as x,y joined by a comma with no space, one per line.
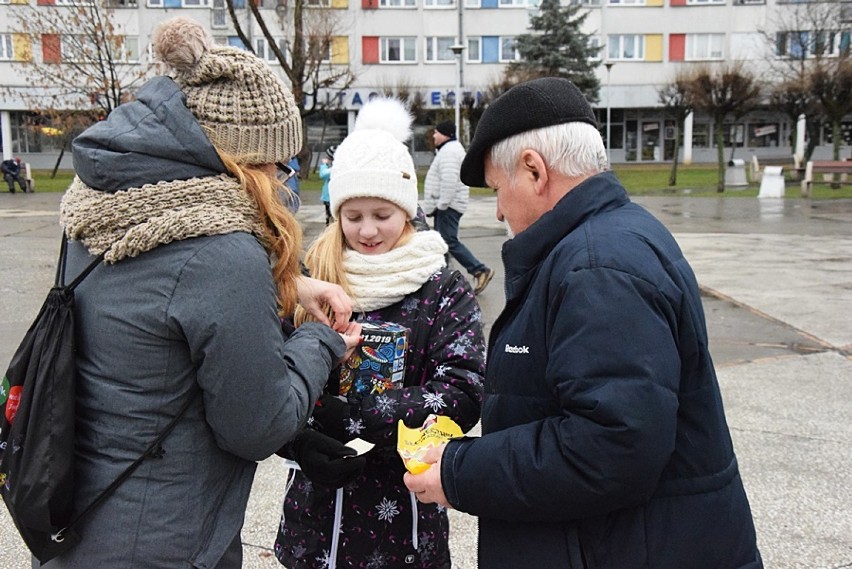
447,224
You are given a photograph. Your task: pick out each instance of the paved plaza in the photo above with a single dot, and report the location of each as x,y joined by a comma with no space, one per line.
777,282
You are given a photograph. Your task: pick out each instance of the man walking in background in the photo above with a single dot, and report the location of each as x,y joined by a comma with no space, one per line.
445,197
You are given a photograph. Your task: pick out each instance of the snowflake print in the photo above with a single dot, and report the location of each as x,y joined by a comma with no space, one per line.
460,347
410,304
354,426
299,551
325,560
441,370
377,560
445,302
386,405
474,378
387,510
433,401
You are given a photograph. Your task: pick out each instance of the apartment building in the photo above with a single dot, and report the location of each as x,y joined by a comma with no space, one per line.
408,44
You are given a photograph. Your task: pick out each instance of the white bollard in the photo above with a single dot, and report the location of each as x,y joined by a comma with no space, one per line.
772,182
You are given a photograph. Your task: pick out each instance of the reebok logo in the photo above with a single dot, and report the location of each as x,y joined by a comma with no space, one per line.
517,349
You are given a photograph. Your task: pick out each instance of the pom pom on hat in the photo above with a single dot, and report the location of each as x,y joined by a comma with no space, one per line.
245,108
373,160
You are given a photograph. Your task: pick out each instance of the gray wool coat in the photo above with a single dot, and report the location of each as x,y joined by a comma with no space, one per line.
189,320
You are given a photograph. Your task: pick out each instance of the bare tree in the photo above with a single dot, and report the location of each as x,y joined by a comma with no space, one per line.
676,99
794,98
83,66
723,91
86,63
309,59
813,61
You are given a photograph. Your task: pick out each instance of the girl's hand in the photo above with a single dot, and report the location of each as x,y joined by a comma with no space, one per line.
315,295
352,337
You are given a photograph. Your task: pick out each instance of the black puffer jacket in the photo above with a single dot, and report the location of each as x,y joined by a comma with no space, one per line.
604,441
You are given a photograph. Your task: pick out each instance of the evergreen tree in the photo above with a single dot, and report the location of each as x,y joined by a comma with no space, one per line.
558,48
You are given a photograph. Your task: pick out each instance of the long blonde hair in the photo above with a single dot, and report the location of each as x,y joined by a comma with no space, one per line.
282,234
324,260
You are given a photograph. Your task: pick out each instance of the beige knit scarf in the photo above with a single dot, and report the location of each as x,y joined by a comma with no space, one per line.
380,280
129,222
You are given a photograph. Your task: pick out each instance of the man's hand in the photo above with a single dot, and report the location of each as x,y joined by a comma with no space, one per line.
315,295
427,486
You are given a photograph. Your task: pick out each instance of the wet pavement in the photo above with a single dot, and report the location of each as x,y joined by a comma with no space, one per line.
776,276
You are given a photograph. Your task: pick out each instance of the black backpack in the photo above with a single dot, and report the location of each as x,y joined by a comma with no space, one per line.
37,398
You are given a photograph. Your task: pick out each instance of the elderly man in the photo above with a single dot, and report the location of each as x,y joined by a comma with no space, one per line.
604,442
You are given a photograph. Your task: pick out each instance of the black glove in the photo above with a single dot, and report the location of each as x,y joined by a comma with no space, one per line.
337,418
325,461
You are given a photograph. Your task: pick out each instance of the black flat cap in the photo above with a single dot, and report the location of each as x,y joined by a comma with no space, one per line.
538,103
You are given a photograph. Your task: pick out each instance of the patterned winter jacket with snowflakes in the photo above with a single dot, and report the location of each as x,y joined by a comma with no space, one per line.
382,525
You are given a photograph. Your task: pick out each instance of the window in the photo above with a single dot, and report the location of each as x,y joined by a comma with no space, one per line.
804,44
438,49
763,135
7,49
319,48
585,2
508,49
700,135
627,2
129,49
627,47
474,50
471,3
703,2
733,135
219,15
263,50
77,48
594,42
704,46
439,3
398,50
398,3
513,3
155,3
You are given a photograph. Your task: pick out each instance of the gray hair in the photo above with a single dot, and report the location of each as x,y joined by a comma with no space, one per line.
571,149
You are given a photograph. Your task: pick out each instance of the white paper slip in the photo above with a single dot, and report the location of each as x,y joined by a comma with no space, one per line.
360,445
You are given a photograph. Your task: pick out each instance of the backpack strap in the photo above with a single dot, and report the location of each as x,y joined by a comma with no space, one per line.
59,281
154,450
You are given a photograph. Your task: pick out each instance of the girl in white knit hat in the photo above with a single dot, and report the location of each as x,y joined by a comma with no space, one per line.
379,249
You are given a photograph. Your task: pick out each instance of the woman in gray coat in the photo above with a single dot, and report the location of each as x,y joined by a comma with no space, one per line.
178,189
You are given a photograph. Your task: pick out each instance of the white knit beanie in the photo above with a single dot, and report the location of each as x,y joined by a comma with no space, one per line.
244,107
373,161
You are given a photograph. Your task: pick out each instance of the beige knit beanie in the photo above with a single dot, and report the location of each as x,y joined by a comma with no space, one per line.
373,161
244,107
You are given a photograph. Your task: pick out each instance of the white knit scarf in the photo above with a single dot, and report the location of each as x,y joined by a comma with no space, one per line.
380,280
129,222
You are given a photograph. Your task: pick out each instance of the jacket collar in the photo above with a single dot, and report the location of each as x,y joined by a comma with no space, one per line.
524,253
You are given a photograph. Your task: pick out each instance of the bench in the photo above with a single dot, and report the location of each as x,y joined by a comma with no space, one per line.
823,167
758,163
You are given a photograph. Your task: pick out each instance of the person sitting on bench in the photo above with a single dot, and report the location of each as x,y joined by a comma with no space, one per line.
12,173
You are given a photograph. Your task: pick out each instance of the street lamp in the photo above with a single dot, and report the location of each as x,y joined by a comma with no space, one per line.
608,65
457,50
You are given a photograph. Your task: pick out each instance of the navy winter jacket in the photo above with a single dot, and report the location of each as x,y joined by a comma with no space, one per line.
604,440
